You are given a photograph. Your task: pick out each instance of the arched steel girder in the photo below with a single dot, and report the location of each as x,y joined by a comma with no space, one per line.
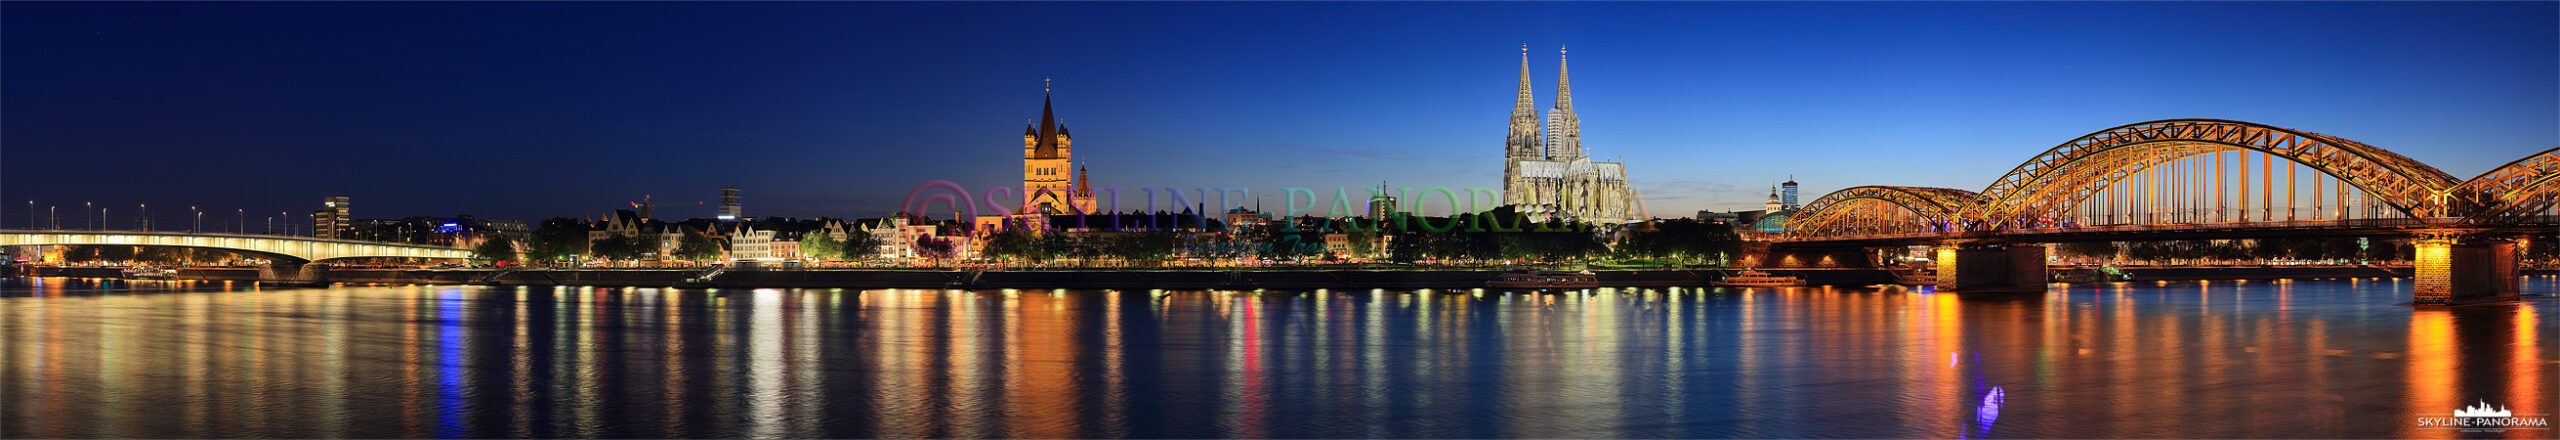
2068,173
2522,188
1828,214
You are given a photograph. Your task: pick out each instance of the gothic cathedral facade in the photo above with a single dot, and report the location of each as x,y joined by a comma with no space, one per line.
1545,169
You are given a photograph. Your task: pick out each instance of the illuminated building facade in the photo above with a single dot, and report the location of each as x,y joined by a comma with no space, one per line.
1546,170
1788,191
331,221
1050,182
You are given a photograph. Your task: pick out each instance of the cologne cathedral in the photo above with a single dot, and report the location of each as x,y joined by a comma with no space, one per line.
1547,172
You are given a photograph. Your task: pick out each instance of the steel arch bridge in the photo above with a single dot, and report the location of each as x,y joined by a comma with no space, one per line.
279,248
2517,192
2204,178
2181,172
1884,209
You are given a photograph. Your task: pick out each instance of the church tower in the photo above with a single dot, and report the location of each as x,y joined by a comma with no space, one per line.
1083,198
1524,142
1046,155
1564,129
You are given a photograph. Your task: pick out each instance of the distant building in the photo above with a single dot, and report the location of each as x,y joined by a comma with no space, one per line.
660,238
1721,217
1240,219
785,248
1381,205
1337,243
898,234
1774,204
749,244
332,221
729,209
1789,193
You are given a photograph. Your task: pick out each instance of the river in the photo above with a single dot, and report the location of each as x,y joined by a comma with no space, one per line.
2310,358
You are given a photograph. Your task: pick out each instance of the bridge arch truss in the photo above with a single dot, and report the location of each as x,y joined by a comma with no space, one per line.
2077,170
1869,210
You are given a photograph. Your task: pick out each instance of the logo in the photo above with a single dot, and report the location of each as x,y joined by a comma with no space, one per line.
2482,410
2482,417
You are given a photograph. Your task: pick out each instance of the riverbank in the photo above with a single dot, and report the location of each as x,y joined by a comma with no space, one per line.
1264,278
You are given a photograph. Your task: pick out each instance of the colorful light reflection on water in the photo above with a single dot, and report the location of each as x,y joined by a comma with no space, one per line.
90,358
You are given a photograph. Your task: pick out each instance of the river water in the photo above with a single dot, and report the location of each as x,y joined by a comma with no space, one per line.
2313,358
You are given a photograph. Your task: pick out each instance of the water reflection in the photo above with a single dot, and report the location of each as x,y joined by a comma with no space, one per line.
91,358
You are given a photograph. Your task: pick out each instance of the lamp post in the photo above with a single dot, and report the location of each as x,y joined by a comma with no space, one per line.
198,227
243,224
102,218
31,214
146,217
52,220
92,214
271,225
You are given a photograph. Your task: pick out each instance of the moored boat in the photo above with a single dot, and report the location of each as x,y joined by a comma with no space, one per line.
1753,278
150,273
1544,280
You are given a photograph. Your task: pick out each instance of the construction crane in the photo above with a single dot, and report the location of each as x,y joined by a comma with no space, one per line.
646,204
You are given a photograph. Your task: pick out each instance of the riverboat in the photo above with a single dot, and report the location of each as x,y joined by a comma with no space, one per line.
2088,274
150,273
1544,280
1753,278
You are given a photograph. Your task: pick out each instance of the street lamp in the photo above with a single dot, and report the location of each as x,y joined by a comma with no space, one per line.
271,225
102,218
243,225
146,217
199,229
50,219
31,214
87,211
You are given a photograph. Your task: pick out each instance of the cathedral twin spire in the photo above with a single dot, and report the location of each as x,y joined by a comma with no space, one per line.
1545,169
1561,136
1524,142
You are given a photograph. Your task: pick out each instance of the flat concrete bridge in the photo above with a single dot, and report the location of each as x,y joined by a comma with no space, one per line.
288,254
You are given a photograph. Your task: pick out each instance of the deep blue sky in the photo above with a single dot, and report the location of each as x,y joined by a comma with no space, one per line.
527,111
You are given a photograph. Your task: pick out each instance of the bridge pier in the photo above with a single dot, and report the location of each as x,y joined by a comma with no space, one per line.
294,274
1991,267
2454,268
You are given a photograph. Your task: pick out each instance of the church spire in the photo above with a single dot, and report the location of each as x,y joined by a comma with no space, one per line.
1564,83
1524,142
1564,129
1048,140
1527,102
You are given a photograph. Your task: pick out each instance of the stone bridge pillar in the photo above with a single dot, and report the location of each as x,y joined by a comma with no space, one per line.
294,274
2456,268
1991,267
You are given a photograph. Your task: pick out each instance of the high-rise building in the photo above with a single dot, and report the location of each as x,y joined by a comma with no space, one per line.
331,221
729,209
1546,170
1789,192
1047,154
1381,205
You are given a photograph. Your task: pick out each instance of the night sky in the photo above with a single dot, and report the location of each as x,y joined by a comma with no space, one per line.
528,111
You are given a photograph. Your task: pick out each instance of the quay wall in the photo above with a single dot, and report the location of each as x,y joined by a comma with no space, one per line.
1150,278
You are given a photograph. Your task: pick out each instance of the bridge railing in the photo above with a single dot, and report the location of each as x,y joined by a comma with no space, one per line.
2166,227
